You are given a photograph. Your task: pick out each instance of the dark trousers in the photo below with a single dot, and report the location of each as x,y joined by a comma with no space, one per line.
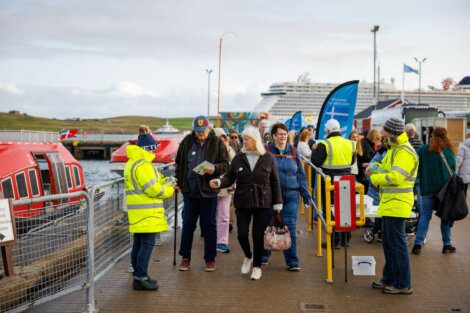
205,208
397,270
260,222
141,252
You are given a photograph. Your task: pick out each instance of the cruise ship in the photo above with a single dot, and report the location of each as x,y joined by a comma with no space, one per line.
284,99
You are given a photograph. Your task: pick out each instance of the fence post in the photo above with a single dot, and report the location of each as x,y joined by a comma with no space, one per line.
90,293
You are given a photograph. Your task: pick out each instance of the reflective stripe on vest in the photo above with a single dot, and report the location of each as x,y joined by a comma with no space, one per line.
395,190
144,206
329,158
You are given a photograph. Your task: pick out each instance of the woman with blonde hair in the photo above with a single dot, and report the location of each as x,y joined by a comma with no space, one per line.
304,149
258,190
433,174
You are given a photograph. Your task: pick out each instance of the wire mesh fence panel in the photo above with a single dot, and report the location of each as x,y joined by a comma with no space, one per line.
50,255
111,237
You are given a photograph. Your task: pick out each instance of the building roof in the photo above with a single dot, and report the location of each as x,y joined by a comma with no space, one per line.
366,113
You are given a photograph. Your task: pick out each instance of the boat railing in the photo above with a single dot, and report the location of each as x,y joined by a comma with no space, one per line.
28,136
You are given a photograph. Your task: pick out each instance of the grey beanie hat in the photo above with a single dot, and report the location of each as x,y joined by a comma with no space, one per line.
394,126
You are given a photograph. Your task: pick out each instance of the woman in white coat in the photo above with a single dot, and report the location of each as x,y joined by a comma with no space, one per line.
463,162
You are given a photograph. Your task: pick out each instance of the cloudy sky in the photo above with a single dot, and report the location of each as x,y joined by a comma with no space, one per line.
71,58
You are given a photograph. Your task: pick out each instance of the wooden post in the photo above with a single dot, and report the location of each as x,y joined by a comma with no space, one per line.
7,259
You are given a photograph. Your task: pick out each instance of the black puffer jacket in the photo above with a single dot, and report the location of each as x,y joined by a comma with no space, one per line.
216,153
255,189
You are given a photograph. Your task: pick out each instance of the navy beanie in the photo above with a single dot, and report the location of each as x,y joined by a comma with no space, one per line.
147,142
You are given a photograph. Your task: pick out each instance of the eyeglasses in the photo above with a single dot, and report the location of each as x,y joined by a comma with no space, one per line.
233,137
281,134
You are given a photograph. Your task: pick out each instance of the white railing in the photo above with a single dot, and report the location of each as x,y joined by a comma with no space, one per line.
28,136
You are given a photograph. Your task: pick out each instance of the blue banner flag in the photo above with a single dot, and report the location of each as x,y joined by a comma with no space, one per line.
409,69
295,123
340,105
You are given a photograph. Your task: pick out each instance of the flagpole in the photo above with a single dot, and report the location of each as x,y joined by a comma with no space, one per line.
403,86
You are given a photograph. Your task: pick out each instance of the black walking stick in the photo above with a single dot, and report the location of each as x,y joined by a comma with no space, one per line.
175,227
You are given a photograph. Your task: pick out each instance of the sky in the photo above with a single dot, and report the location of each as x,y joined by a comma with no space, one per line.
95,59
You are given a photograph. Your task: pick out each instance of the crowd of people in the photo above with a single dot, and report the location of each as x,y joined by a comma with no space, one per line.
259,173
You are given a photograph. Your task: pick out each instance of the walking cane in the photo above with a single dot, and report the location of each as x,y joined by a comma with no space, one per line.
175,227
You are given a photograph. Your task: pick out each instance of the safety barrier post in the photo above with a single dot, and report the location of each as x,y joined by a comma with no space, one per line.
310,211
362,215
329,229
301,202
319,206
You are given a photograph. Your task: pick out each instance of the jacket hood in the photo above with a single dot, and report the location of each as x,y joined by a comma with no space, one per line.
467,142
403,138
135,152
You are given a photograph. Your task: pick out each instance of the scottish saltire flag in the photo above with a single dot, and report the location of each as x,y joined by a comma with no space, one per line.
295,123
340,105
409,69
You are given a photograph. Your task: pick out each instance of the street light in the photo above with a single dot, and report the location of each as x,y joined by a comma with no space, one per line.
218,87
374,30
419,88
208,91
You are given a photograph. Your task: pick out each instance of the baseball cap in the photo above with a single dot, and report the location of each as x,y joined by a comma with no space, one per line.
332,125
200,123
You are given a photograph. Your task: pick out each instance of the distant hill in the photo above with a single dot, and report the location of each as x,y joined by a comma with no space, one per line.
118,124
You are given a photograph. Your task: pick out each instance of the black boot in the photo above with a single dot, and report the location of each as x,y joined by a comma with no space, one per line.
144,285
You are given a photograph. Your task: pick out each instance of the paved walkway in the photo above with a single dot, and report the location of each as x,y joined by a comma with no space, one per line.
441,283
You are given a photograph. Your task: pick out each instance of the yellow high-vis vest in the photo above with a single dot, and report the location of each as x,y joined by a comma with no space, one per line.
145,190
400,166
339,153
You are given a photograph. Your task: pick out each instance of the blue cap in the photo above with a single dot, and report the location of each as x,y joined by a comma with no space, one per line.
200,123
147,142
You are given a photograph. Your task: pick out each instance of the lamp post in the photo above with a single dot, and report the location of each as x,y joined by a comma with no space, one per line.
419,87
208,91
218,83
374,30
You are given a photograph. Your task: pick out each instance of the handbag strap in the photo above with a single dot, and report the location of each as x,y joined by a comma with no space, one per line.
445,162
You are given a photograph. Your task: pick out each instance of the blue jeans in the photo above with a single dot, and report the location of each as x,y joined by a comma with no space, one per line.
141,252
289,216
204,208
397,270
425,215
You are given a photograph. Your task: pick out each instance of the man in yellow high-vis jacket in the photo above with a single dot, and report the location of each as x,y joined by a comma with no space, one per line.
395,179
145,190
335,156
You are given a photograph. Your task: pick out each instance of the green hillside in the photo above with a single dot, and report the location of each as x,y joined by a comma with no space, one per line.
119,124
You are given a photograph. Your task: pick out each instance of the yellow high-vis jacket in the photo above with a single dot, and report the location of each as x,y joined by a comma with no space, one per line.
145,190
400,167
339,153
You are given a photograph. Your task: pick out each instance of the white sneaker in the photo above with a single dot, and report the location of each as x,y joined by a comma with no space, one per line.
256,273
246,267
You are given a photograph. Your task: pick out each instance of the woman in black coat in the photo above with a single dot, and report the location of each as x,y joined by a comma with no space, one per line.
258,190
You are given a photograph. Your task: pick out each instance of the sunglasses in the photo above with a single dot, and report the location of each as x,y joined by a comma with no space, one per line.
233,137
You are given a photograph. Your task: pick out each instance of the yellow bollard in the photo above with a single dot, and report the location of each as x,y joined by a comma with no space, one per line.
319,228
309,184
329,231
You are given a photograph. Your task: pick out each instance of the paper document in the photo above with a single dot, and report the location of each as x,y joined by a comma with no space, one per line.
200,168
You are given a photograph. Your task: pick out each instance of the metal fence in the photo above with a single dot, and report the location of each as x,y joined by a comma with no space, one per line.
29,136
71,242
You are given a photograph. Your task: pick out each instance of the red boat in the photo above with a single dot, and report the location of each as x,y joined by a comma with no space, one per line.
35,164
166,152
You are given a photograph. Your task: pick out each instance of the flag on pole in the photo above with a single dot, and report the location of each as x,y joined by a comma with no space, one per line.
295,123
409,69
68,133
340,105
